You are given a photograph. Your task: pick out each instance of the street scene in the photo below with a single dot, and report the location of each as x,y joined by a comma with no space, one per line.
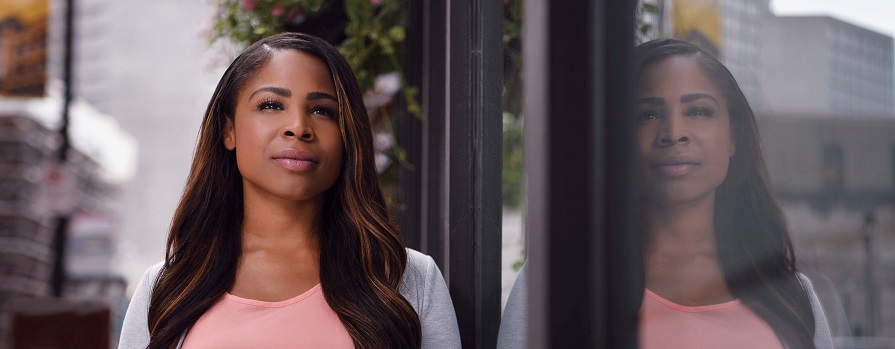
102,104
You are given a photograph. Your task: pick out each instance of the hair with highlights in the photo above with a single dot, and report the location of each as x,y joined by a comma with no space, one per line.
362,257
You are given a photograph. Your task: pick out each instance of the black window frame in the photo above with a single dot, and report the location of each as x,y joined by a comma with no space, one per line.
451,198
586,269
585,261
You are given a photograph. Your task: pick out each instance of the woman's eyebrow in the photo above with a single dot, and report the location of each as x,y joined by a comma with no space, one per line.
651,101
313,96
694,96
277,90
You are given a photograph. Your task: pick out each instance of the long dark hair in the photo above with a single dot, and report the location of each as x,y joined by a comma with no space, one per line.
754,244
362,257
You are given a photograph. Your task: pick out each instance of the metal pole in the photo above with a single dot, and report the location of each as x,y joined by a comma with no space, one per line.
473,133
869,284
59,236
660,27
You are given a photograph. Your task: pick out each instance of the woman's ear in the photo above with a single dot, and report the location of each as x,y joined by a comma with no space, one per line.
229,135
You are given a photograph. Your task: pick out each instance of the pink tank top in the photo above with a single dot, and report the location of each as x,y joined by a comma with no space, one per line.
731,325
305,321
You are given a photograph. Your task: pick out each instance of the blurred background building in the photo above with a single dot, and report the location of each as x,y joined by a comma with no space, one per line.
788,65
147,64
742,44
36,191
823,66
39,307
822,89
836,179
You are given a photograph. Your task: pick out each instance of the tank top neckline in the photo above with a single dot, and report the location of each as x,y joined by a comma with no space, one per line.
279,304
692,309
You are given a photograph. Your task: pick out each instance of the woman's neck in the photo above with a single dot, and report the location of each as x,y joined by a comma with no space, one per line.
273,223
683,228
280,249
681,256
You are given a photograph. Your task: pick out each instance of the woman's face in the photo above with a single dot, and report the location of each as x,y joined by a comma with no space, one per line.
286,128
684,132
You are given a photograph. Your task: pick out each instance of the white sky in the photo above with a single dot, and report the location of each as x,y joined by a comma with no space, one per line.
871,14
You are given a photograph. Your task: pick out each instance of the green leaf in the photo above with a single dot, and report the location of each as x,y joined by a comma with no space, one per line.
397,33
645,29
387,49
354,9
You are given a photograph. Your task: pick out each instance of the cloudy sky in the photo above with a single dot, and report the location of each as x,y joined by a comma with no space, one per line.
871,14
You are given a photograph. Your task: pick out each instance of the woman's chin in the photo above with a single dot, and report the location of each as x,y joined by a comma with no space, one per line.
678,196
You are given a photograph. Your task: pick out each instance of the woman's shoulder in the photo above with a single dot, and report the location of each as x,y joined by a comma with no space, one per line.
424,288
823,338
805,280
422,282
417,261
147,282
153,271
420,267
134,330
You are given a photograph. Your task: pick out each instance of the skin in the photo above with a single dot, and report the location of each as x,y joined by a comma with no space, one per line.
288,104
685,147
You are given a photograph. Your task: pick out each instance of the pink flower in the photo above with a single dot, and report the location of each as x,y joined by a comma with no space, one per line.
295,16
277,11
374,2
248,5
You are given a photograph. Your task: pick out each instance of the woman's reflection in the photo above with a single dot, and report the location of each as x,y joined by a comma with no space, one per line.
720,269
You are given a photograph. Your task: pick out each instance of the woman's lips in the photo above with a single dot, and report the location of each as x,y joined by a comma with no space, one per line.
675,170
294,164
675,165
296,160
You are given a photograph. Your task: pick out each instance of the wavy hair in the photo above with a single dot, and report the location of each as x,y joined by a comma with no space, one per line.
754,245
362,257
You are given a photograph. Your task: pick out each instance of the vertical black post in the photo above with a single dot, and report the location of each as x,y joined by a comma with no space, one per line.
474,132
585,276
623,248
574,171
433,201
458,188
59,236
409,130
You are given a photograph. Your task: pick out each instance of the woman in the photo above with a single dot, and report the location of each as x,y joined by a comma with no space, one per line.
282,237
720,268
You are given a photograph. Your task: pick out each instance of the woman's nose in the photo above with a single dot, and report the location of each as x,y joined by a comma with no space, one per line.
673,132
669,141
299,128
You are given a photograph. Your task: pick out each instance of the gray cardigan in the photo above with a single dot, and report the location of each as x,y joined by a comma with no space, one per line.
423,286
513,333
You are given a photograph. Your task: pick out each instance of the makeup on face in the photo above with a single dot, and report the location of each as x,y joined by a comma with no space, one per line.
683,130
286,130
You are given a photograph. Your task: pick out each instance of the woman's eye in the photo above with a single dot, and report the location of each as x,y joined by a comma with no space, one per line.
270,105
649,115
326,111
700,111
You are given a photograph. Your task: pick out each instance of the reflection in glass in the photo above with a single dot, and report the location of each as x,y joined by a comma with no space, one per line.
719,259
